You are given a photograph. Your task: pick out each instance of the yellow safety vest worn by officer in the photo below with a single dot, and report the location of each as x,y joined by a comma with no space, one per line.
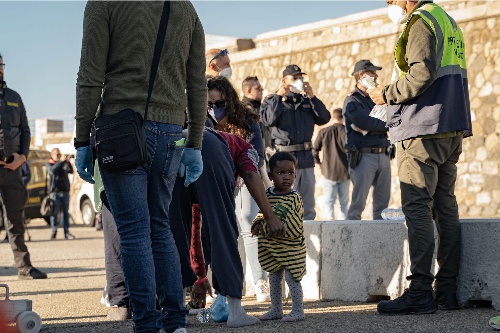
444,106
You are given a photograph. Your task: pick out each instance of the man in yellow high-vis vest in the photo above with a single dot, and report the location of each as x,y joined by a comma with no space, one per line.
428,115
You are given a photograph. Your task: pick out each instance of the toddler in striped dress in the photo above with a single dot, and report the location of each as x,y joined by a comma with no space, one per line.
285,254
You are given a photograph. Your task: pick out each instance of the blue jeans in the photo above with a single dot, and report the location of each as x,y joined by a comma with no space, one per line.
61,202
139,201
330,190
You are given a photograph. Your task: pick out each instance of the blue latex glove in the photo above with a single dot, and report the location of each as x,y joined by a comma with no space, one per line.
84,164
191,165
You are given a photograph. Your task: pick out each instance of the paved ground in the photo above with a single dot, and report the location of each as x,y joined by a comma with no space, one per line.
68,301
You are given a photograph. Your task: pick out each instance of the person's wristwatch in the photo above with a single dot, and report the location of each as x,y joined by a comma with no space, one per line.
79,144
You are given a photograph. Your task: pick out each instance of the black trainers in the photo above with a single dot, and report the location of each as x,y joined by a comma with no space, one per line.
53,235
69,236
412,301
30,273
446,301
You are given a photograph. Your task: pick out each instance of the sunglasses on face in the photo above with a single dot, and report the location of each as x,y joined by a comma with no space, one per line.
219,104
224,52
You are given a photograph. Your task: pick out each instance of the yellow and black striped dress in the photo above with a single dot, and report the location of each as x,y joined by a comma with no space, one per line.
287,251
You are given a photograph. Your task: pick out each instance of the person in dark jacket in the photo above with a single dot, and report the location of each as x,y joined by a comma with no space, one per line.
58,168
252,98
368,146
14,149
331,140
292,112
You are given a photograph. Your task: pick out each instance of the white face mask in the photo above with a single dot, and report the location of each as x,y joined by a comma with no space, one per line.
297,86
226,72
397,14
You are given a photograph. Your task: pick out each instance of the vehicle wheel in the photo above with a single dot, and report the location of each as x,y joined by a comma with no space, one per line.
88,213
29,322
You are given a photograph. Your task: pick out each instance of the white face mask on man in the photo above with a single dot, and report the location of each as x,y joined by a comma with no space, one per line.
226,72
397,14
297,86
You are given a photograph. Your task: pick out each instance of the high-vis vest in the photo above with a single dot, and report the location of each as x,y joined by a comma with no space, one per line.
444,106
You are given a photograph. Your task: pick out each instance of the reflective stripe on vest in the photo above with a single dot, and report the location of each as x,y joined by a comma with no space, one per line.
449,42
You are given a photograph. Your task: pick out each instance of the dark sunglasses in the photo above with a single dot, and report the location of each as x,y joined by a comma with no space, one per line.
221,53
219,104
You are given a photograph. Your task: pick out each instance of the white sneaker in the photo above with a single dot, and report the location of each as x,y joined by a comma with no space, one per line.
179,330
105,298
262,291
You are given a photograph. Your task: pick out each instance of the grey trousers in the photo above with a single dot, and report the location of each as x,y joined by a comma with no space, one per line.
304,184
372,170
115,280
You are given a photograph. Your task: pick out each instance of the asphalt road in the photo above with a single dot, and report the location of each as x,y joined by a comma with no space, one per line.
69,300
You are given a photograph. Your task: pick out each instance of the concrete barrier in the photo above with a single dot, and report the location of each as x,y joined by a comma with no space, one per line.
479,278
368,260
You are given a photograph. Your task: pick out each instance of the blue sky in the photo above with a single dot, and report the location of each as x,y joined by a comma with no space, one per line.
40,40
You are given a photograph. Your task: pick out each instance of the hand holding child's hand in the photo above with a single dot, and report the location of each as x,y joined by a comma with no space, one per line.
275,226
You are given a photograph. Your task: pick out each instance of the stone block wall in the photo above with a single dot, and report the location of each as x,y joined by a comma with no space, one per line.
327,51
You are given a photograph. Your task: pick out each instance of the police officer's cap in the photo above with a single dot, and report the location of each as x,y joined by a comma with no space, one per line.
365,65
292,70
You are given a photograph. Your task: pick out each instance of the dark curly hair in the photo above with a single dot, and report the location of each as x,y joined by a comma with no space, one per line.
281,156
239,117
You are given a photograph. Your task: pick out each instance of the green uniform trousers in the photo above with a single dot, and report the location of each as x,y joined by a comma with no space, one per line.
427,173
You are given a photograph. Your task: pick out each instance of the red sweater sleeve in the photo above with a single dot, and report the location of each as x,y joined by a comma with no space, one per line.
195,249
245,157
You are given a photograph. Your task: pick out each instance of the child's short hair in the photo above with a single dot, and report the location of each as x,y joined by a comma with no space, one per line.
281,156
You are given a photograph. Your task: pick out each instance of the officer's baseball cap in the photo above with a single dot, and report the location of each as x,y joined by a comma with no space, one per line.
292,70
365,65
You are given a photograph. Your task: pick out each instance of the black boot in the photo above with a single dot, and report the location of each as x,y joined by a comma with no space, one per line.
446,300
412,301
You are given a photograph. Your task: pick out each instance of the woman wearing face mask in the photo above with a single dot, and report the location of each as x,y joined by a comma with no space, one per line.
230,115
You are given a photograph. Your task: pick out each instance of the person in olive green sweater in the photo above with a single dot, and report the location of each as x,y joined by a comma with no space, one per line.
117,51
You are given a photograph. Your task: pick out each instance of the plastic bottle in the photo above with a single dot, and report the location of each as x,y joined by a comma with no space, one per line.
395,214
204,316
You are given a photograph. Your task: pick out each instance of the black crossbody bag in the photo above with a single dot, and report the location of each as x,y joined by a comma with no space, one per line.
120,138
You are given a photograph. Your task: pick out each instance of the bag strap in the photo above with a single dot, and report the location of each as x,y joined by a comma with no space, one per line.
160,39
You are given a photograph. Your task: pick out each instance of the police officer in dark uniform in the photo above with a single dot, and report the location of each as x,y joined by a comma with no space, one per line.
369,150
292,113
14,149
